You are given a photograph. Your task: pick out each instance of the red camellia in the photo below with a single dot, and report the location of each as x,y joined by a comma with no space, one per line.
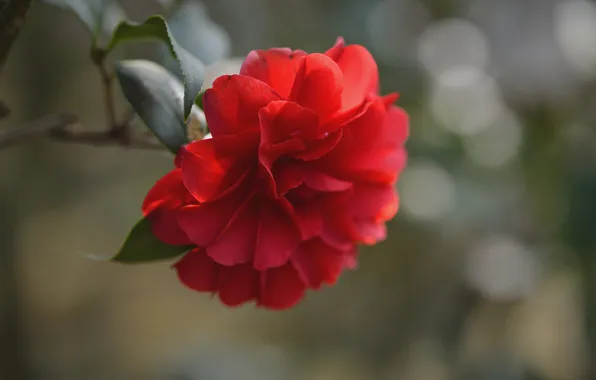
301,167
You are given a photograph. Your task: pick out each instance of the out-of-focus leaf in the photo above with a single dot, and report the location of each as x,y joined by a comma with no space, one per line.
156,95
99,16
155,27
142,246
195,31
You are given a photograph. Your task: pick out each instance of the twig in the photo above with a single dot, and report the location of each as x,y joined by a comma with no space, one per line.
55,126
36,128
102,139
98,56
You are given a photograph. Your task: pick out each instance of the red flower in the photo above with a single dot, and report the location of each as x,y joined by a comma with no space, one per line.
301,168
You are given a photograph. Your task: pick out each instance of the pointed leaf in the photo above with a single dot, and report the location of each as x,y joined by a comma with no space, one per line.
156,96
155,27
142,246
99,16
196,32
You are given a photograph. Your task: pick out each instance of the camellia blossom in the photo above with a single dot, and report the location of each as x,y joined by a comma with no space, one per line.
300,169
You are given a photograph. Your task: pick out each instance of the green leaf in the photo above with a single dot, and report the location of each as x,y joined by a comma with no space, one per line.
156,95
199,100
99,16
192,27
142,246
155,27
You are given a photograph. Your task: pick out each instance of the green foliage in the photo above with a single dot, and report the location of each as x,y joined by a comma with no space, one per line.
99,16
190,24
156,28
156,96
142,246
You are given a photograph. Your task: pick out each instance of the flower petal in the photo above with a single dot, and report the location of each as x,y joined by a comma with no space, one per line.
377,202
231,106
162,205
323,182
318,263
283,120
318,85
238,284
236,245
277,238
370,232
281,288
337,49
360,73
277,67
197,271
367,149
213,167
204,222
168,192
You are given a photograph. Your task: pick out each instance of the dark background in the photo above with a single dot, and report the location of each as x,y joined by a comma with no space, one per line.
488,269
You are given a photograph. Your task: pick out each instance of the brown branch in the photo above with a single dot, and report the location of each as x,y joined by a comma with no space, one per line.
36,128
55,126
12,18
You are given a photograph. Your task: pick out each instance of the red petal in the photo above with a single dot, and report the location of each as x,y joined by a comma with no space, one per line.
369,148
168,192
371,232
284,125
213,167
277,238
161,206
323,182
374,201
206,221
335,52
236,245
396,127
310,219
232,104
287,176
197,271
277,67
318,148
318,85
281,288
283,120
164,225
238,284
360,72
317,263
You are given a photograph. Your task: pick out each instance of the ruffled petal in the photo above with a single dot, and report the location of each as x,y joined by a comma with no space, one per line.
360,73
197,271
238,284
377,202
213,167
281,288
204,222
168,192
318,85
277,67
232,104
161,207
236,245
370,148
337,49
318,263
284,120
320,181
277,237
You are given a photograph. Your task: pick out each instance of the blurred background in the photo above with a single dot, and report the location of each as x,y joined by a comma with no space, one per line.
488,271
